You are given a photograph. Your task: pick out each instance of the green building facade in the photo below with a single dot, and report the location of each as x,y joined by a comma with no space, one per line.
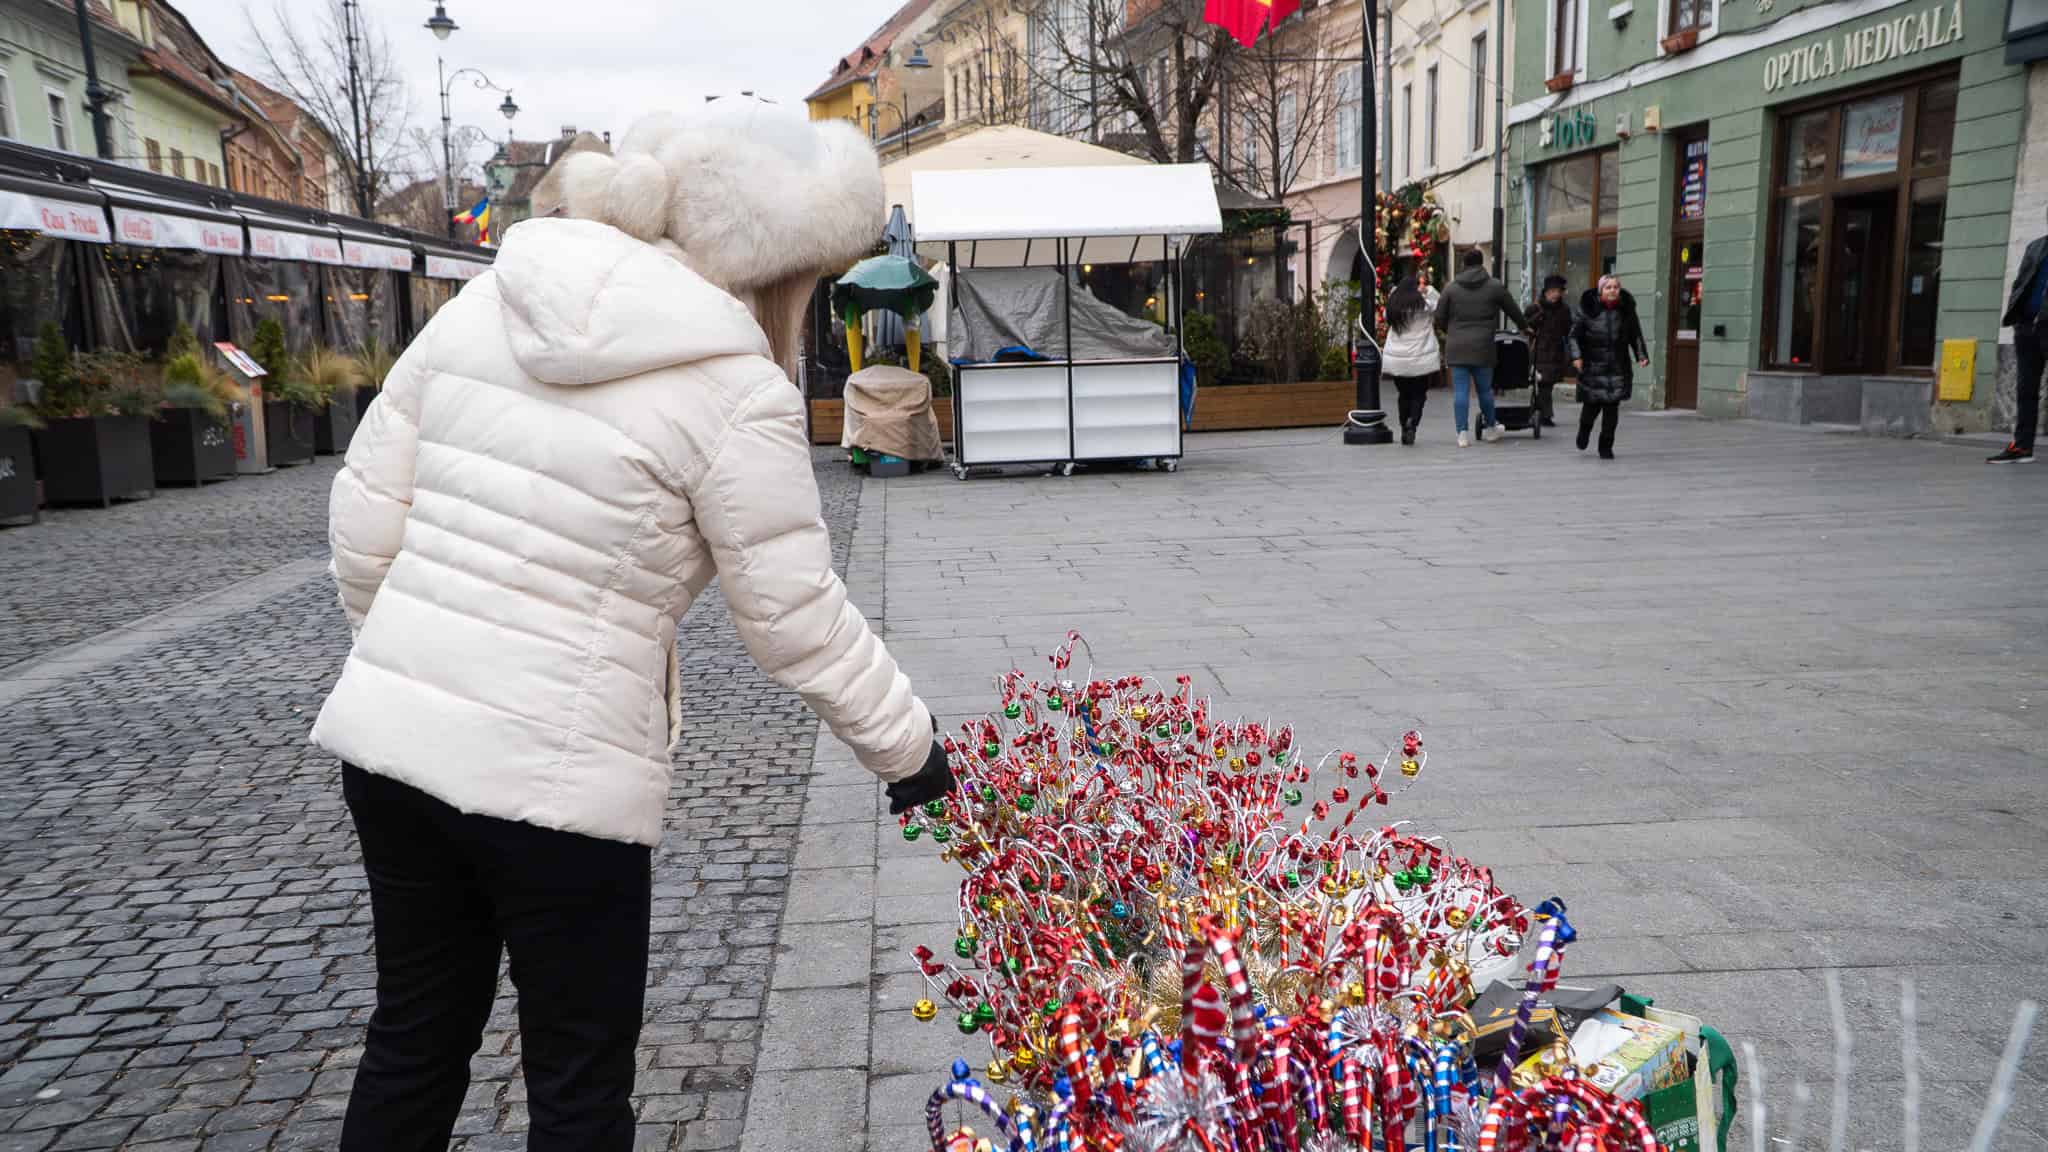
1811,202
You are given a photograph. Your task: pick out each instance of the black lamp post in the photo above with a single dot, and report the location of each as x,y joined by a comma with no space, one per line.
441,26
917,61
1367,423
96,97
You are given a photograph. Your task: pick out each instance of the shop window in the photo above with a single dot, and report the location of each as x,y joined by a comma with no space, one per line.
1578,202
38,286
60,121
1856,237
142,295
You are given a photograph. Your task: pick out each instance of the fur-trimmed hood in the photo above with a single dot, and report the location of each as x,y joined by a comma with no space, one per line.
748,193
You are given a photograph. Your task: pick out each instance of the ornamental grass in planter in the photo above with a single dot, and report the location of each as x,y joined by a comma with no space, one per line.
192,438
17,466
95,408
375,361
329,374
287,406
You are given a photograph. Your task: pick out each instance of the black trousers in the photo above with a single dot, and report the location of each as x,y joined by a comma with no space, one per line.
2030,347
1609,414
1413,393
1545,407
448,891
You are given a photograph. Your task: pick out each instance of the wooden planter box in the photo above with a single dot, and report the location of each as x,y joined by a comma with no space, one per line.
190,448
335,425
1678,42
1219,408
96,460
828,419
1560,82
1243,407
287,433
17,477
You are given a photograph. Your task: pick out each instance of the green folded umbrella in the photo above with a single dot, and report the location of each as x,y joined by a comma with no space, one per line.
886,283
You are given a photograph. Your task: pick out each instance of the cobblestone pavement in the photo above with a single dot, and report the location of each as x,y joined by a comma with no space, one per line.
85,570
185,930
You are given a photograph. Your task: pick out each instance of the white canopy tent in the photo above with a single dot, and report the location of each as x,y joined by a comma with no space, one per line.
1000,146
1056,403
1010,217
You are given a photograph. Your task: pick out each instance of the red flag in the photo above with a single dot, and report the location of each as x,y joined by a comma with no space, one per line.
1243,19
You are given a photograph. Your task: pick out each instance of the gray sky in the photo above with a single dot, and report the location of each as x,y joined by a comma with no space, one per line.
596,64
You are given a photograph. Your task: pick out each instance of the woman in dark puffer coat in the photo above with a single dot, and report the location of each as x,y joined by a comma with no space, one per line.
1606,343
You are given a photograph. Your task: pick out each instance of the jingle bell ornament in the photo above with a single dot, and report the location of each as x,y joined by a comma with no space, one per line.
924,1011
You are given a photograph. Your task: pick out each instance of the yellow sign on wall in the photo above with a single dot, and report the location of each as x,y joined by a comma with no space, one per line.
1958,369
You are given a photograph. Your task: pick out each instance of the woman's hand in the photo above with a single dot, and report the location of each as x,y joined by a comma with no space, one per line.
1578,366
934,781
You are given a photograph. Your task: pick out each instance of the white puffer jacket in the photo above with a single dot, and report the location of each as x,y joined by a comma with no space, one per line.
559,464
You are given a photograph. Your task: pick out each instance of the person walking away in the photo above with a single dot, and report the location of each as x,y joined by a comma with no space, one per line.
575,447
2026,313
1411,357
1469,314
1606,343
1550,327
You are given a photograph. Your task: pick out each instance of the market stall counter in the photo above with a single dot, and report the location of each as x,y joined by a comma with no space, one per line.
1055,364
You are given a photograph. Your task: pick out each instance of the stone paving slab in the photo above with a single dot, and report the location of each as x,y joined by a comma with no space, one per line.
1756,701
185,948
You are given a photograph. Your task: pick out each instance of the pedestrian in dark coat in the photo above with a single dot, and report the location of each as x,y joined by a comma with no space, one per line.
1469,314
1550,329
1606,343
2026,313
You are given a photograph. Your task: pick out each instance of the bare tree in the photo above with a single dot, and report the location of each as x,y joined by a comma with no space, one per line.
1142,74
1282,94
306,57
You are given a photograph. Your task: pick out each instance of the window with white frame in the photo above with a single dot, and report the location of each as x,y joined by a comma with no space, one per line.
1689,16
1285,119
60,119
1478,116
1429,107
6,106
1248,145
1567,44
1407,130
1349,105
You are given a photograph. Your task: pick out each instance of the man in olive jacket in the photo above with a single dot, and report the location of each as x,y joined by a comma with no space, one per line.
1469,314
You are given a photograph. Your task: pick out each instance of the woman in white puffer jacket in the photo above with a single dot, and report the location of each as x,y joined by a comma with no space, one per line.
1411,358
561,462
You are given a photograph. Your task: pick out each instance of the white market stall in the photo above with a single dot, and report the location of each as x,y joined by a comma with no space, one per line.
1045,372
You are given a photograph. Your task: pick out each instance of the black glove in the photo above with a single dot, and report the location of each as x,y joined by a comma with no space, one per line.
932,782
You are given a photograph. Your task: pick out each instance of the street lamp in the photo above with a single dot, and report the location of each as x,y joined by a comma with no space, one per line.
440,25
508,109
917,61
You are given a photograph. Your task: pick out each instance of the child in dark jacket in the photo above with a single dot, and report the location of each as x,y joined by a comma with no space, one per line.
1550,326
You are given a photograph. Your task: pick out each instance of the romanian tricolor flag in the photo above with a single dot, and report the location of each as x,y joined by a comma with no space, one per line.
483,225
1244,19
481,209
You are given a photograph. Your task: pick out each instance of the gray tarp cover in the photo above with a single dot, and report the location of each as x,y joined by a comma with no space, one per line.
1000,308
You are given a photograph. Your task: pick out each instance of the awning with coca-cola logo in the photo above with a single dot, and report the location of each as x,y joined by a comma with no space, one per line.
370,250
445,266
66,210
284,238
149,221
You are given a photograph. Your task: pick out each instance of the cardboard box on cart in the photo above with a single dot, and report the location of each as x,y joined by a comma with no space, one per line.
1704,1103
